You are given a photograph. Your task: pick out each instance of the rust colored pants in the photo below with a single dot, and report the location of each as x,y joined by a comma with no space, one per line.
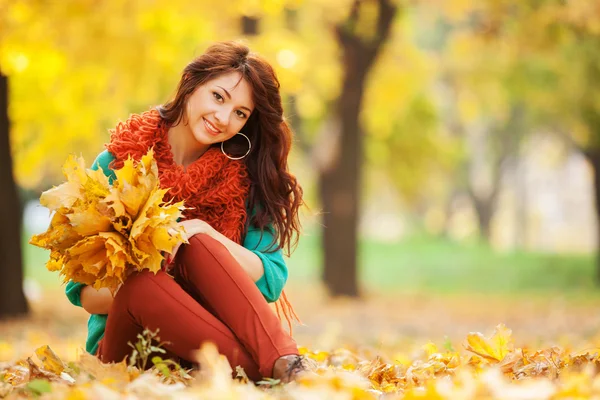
211,299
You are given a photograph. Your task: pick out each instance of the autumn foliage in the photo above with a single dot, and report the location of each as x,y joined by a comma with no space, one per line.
101,232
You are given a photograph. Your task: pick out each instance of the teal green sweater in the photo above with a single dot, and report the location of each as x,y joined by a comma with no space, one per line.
260,243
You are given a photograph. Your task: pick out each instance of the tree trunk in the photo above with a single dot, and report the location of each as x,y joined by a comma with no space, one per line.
593,157
521,209
339,188
484,209
12,298
339,179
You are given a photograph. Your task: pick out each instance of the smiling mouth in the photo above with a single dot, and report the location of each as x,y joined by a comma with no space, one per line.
210,127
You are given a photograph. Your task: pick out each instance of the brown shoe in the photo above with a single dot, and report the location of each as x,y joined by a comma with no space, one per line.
288,368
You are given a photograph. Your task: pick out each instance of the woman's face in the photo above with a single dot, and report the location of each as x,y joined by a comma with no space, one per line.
218,109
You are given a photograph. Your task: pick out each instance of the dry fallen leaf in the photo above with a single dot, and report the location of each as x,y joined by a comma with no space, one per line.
215,370
115,375
494,348
49,360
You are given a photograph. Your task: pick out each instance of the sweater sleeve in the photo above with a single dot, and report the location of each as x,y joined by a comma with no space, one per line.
73,289
276,273
102,162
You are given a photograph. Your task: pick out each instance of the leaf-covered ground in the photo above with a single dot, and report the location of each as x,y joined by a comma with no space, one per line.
392,346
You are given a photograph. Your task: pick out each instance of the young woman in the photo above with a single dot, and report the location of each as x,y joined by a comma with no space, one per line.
221,145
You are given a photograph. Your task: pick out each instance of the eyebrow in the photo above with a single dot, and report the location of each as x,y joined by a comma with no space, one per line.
229,95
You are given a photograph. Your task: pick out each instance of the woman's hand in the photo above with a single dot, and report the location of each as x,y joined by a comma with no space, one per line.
247,259
192,227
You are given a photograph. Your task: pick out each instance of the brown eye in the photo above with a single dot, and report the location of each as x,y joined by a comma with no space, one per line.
217,96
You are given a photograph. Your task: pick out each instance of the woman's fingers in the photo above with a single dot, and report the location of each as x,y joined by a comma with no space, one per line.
191,228
171,256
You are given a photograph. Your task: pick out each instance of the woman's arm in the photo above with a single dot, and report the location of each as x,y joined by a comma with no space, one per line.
262,243
249,261
96,301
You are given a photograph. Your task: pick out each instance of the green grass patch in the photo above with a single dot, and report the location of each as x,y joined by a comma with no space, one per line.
425,263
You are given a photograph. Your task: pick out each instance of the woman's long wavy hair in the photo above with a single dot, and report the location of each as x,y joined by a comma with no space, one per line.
275,194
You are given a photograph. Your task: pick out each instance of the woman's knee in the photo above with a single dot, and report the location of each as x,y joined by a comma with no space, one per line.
199,249
203,253
203,240
138,287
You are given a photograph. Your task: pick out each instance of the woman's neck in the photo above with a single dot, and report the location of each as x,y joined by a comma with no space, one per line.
184,146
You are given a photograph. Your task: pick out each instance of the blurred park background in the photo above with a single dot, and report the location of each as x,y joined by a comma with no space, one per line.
449,151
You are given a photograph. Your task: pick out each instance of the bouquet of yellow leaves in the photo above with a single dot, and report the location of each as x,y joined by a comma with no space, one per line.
102,232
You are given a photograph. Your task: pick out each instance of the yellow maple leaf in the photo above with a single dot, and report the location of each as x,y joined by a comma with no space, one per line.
74,170
50,361
148,211
215,370
156,230
55,262
430,348
59,236
96,186
89,220
82,186
114,375
64,195
68,193
112,206
134,183
494,348
100,260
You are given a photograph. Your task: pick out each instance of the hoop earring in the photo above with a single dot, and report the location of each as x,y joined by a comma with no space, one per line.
238,158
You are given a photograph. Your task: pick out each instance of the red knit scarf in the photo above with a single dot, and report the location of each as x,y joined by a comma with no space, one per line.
214,186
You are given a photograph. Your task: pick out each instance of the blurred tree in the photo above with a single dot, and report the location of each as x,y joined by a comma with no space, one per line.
560,43
570,46
250,25
340,178
12,298
481,101
404,137
492,143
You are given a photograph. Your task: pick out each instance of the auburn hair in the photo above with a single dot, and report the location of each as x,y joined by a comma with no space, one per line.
275,195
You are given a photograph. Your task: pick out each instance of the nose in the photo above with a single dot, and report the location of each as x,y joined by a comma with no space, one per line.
222,118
